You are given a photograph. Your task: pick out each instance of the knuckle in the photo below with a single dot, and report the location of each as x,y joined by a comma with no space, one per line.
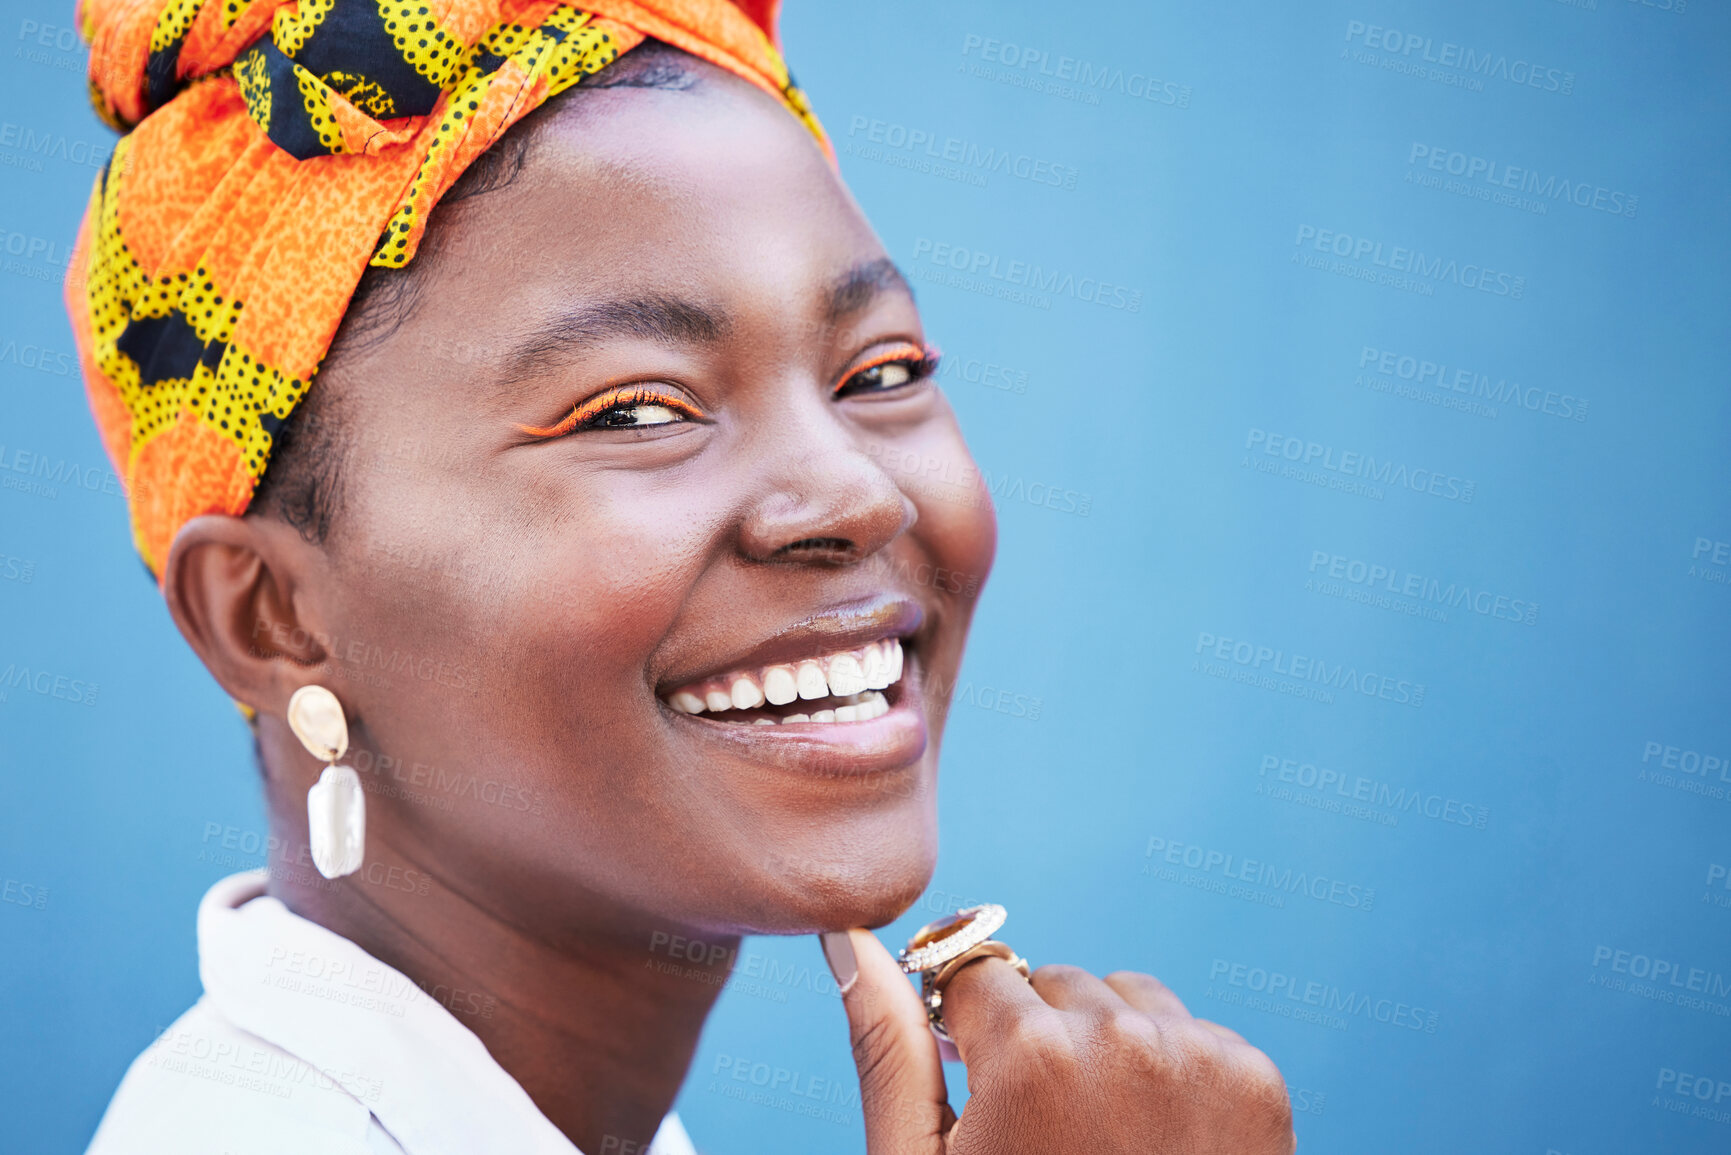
1260,1090
1057,973
1040,1037
1131,1030
1259,1068
1135,1041
1135,977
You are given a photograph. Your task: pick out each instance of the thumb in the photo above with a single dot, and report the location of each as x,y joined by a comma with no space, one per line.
901,1077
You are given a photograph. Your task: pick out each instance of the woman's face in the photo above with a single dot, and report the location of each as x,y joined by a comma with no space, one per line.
739,478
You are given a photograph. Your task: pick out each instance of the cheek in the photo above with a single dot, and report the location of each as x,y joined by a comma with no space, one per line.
957,524
543,600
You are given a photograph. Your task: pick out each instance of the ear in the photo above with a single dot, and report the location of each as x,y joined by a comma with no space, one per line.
236,588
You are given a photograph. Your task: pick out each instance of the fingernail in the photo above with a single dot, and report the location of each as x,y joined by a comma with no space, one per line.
838,953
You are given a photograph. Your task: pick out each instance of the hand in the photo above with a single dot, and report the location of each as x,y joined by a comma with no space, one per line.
1067,1063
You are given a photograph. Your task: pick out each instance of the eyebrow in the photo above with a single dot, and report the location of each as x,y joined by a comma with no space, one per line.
861,285
563,336
670,320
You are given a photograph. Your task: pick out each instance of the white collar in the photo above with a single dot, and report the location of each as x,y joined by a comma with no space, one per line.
426,1077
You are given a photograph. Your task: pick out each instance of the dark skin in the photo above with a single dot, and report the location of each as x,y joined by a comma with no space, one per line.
756,509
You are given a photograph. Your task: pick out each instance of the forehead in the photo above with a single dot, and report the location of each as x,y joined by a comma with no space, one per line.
712,191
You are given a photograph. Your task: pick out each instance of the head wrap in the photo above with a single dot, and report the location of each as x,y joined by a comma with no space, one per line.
276,150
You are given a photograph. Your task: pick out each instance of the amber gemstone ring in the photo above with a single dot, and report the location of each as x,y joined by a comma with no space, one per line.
939,950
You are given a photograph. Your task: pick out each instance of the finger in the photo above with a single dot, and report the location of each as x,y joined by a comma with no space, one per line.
901,1078
1147,993
1226,1033
1071,988
991,1010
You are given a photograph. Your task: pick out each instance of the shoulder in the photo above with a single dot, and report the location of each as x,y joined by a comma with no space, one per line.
206,1086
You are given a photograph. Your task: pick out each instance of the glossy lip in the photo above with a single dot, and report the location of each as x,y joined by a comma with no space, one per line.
844,628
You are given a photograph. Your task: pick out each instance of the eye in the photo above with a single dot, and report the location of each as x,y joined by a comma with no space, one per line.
626,407
634,416
884,372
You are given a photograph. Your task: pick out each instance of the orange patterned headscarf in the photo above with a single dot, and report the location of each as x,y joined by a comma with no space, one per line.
277,148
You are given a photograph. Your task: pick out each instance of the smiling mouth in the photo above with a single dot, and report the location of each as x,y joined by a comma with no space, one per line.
845,686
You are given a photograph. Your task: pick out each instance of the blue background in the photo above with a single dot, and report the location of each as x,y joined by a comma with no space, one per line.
1101,729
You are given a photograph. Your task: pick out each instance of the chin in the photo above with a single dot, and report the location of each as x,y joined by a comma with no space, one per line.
871,885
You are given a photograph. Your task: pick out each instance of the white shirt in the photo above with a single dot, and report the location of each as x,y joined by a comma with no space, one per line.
304,1042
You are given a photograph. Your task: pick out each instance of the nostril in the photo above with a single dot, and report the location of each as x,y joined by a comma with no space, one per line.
818,545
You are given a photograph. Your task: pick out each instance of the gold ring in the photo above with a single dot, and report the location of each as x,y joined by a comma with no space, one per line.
939,950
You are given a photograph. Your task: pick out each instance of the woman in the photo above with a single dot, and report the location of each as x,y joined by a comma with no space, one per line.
625,400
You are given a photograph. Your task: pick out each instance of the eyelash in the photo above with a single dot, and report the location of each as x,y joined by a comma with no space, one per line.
619,398
922,363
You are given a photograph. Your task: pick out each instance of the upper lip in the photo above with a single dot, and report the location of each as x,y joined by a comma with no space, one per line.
830,631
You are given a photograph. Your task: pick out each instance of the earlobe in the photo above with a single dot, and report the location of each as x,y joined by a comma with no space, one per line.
232,590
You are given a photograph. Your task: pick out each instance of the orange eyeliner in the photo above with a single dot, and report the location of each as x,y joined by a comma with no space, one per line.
906,351
601,402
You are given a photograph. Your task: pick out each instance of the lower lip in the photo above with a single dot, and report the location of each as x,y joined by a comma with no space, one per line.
889,742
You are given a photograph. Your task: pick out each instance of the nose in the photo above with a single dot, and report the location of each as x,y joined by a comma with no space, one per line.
820,498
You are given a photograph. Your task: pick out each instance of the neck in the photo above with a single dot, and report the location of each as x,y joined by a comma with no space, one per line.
584,1018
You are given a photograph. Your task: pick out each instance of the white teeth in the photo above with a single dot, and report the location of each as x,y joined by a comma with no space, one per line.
853,677
764,722
845,676
847,713
811,681
796,718
745,693
877,667
779,686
